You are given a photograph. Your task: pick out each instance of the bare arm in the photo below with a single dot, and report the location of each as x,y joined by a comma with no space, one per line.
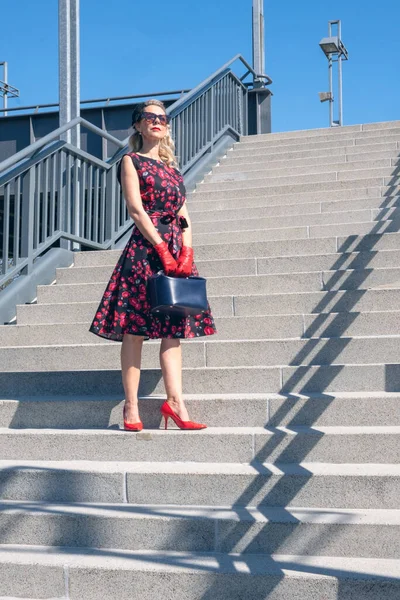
131,190
186,233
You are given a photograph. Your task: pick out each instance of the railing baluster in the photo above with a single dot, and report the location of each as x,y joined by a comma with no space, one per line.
111,198
96,205
6,228
61,191
17,217
37,205
45,198
89,201
28,218
102,206
75,197
82,201
68,178
53,174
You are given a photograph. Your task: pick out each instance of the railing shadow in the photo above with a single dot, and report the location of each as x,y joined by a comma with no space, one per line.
313,378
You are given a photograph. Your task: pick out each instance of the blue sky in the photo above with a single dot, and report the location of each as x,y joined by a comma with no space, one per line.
130,47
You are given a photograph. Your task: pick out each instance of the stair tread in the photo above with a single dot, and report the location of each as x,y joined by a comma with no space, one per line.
303,469
267,430
265,514
167,561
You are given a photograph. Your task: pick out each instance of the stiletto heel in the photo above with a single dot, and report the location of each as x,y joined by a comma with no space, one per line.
166,421
167,412
132,426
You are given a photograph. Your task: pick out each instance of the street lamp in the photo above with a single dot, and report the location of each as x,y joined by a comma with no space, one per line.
332,46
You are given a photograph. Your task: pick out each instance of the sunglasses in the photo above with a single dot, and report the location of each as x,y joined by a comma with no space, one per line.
150,117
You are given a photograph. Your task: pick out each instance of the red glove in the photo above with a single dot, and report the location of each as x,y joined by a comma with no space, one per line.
185,262
168,262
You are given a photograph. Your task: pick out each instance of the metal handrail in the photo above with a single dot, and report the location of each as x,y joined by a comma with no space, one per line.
29,150
37,107
54,192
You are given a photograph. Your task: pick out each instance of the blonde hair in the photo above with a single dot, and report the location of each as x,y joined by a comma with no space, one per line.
167,146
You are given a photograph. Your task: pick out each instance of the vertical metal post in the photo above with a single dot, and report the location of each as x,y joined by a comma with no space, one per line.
5,75
69,67
258,36
259,96
339,26
69,95
330,70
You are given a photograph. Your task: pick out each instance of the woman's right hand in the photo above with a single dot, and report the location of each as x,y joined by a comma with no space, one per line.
168,262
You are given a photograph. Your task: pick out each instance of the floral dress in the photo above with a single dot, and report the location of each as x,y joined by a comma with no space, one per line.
125,307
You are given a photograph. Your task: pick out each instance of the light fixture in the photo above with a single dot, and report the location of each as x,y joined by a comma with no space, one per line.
325,96
335,51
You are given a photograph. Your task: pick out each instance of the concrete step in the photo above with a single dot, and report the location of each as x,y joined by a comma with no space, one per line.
254,266
327,245
207,380
272,196
325,325
82,312
288,169
323,143
282,186
268,179
319,351
246,284
215,444
228,410
206,529
378,205
136,575
311,165
210,354
307,484
279,154
341,301
302,232
253,221
333,133
331,262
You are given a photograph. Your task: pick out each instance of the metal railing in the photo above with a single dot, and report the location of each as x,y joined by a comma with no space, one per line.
105,101
54,193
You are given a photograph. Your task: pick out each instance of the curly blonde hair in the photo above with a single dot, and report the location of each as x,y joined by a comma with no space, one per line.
167,146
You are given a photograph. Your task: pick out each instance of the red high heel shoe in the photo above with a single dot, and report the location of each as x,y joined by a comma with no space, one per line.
132,426
167,412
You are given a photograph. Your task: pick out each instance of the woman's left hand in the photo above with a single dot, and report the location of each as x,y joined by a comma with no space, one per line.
185,262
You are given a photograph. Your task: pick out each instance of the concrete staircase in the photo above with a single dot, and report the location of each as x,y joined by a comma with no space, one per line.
293,491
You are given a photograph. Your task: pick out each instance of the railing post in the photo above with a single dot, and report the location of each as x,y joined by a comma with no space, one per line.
27,218
111,180
212,112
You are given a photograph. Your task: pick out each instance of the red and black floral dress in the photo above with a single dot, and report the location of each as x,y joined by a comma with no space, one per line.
124,307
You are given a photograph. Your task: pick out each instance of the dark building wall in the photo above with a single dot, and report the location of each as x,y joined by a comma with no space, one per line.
18,131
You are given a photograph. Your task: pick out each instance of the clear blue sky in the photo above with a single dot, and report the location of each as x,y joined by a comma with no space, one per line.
130,47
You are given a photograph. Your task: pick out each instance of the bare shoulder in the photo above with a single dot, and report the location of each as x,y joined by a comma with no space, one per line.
127,163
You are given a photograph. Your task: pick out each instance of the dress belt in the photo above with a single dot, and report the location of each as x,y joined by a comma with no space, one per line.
167,217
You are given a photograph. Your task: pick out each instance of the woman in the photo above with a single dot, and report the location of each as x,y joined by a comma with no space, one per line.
161,239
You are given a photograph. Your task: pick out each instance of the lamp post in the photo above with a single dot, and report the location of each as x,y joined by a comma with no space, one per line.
335,51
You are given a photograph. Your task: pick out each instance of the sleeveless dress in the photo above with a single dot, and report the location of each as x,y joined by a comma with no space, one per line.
124,307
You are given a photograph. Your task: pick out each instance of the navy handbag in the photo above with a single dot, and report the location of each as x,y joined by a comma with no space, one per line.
177,295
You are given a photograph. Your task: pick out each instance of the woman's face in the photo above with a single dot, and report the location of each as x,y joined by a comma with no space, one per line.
153,130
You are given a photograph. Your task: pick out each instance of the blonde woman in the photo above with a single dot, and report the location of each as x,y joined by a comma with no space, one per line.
161,239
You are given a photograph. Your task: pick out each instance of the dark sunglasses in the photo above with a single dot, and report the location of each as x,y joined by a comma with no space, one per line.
151,118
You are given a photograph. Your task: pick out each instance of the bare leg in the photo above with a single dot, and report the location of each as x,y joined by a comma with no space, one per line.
131,355
171,367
